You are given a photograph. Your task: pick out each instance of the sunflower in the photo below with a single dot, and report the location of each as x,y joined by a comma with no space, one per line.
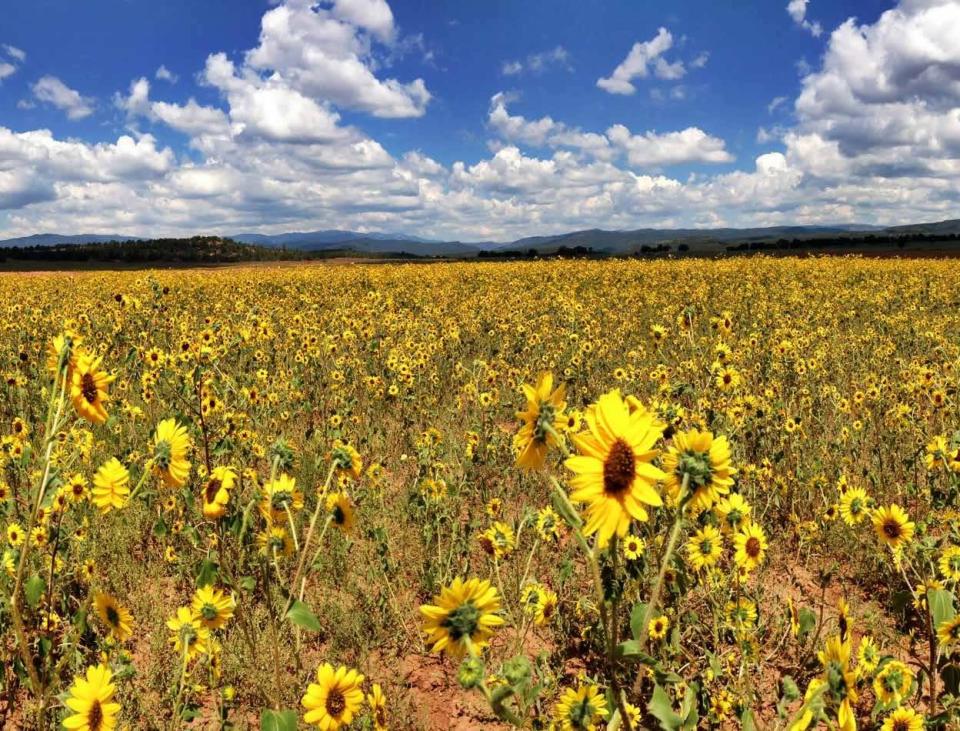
117,617
77,488
212,607
275,540
189,637
88,388
333,700
948,631
463,615
498,540
15,534
546,606
111,486
868,655
950,563
216,493
581,709
733,512
91,700
170,446
893,526
843,618
633,547
542,422
378,707
347,459
658,627
706,459
903,719
704,547
548,524
854,505
67,347
341,511
741,615
279,495
892,684
613,472
750,543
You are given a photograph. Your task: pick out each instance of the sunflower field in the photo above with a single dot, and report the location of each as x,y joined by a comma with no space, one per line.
544,495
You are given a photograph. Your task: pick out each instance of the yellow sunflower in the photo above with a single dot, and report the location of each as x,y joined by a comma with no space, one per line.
893,526
170,446
216,493
91,700
118,619
854,505
88,388
892,684
334,699
111,486
903,719
463,614
212,606
580,709
706,459
188,635
279,495
542,422
378,707
751,544
613,473
704,547
341,510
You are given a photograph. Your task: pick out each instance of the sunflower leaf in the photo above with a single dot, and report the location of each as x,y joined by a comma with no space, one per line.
301,616
278,720
941,606
33,589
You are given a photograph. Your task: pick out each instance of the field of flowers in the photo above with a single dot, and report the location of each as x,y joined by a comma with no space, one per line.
567,495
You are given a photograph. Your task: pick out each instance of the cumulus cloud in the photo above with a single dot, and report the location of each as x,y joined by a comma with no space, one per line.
6,69
537,63
165,74
798,11
50,90
15,53
643,58
671,148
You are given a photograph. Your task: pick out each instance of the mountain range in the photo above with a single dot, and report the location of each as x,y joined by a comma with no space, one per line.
599,240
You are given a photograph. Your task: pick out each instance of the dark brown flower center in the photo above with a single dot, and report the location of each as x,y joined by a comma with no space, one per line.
95,716
213,487
891,529
752,547
88,387
619,469
336,703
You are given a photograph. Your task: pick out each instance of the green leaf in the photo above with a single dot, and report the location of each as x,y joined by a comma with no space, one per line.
301,616
278,721
636,619
34,589
941,606
808,620
662,709
631,649
747,722
207,574
248,583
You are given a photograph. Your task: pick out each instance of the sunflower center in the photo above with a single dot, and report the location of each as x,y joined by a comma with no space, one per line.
213,487
462,621
619,469
891,529
901,725
95,716
339,517
336,703
113,617
752,547
88,387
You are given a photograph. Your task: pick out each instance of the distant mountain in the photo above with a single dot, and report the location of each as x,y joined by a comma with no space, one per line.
308,240
951,226
54,239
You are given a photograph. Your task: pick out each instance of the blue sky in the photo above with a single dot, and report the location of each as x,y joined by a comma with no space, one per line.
475,120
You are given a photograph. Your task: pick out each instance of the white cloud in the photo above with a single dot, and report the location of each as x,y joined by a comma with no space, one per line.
165,74
798,11
51,90
654,150
776,103
372,15
6,69
538,63
138,100
511,68
14,53
700,61
638,64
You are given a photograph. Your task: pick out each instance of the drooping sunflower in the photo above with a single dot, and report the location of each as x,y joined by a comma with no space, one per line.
67,347
542,421
279,495
903,719
334,699
91,700
88,388
347,459
893,526
614,474
188,635
216,493
275,540
378,707
171,443
706,459
751,545
580,709
341,509
704,547
116,617
463,614
854,505
892,684
213,607
111,486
